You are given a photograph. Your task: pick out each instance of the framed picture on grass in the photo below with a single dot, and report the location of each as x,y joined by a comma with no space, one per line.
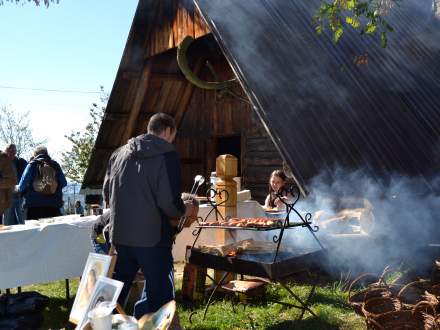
105,289
97,265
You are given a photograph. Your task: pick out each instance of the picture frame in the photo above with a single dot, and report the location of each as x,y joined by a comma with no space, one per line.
97,265
106,289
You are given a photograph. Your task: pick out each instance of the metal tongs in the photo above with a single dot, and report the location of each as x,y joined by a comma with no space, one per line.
198,181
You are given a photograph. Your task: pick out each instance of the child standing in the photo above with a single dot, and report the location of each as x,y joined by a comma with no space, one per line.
277,184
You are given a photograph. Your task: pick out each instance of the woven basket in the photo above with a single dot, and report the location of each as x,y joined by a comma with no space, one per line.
430,322
376,306
424,312
397,320
435,290
435,274
357,299
413,293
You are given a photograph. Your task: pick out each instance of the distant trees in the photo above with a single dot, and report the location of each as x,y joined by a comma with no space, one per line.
37,2
14,128
76,160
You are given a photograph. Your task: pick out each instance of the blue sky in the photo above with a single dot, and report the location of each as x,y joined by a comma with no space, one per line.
75,45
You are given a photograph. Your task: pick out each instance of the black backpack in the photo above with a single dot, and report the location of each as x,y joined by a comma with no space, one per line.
45,180
22,311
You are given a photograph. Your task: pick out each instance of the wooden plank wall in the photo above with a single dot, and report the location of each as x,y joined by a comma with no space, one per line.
259,158
175,19
158,25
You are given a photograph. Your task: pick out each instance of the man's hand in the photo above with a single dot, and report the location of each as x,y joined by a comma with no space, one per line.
191,212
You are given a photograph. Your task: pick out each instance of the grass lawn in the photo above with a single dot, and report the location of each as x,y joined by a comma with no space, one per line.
329,303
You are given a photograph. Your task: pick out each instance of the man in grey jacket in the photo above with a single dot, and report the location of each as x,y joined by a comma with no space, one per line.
142,185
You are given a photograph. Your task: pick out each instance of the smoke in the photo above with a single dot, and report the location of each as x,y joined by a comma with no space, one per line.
406,218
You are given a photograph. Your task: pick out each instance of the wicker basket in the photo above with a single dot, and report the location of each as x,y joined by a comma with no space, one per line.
423,313
435,290
357,299
435,274
376,306
413,293
397,320
430,322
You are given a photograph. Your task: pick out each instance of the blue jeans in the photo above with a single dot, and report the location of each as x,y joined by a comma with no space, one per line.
14,215
156,264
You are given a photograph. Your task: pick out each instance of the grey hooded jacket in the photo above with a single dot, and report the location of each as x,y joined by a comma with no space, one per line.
143,186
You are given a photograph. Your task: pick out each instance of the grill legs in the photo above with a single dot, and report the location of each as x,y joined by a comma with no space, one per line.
303,306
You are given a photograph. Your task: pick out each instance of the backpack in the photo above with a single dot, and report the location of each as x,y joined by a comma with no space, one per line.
45,180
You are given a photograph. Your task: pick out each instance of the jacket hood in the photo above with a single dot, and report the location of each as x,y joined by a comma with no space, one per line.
41,157
148,145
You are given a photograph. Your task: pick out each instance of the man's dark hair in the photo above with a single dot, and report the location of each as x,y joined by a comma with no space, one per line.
11,145
160,122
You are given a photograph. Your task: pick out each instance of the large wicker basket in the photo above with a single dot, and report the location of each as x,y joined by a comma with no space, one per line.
397,320
375,289
413,293
423,313
374,307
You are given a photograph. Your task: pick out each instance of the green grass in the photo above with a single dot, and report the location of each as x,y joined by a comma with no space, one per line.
329,303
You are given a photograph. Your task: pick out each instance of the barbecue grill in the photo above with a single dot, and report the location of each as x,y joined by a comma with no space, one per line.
258,264
274,266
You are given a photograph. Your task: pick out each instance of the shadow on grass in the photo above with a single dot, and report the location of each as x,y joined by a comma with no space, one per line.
310,323
201,327
269,297
319,298
56,314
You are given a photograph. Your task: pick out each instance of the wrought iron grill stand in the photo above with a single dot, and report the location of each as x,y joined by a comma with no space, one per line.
279,275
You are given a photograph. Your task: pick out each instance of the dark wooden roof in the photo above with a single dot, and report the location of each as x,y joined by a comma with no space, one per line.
352,104
142,87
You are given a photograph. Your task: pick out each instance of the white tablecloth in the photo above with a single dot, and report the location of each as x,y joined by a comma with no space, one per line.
44,251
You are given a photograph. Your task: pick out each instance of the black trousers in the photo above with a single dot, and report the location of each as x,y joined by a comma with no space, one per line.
156,264
40,212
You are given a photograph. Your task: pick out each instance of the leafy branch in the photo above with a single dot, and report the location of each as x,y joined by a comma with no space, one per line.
76,160
365,16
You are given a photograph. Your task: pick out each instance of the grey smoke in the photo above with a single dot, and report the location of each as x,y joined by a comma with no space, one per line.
406,214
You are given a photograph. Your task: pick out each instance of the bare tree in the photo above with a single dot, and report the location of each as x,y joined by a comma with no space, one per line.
14,128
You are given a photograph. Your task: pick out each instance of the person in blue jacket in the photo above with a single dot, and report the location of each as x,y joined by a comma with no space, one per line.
42,199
